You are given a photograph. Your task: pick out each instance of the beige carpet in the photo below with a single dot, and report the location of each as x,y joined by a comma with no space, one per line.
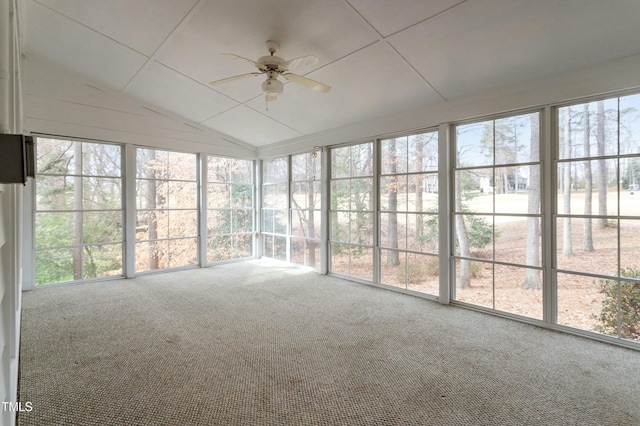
255,343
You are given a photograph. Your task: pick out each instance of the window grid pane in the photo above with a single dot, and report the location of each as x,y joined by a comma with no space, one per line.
275,208
351,211
305,209
230,192
598,216
497,217
408,209
79,214
167,214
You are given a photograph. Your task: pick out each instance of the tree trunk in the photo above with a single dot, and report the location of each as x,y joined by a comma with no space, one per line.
602,166
587,244
532,276
393,257
311,226
505,181
77,212
419,182
464,280
567,248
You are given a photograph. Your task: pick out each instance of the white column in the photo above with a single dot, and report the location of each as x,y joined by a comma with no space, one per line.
203,231
10,217
324,211
130,212
445,177
548,199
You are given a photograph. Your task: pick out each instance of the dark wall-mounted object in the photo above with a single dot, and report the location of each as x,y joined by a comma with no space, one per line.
17,158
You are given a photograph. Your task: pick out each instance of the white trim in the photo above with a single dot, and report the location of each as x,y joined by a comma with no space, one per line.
445,176
203,210
130,210
548,201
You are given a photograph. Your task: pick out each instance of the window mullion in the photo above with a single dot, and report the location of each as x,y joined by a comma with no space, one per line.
130,209
445,227
324,215
548,200
377,263
203,237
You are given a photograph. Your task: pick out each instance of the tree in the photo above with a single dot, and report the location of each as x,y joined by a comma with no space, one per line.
500,141
393,257
419,186
310,218
602,165
532,276
632,175
77,212
362,192
230,205
567,248
462,237
587,244
305,171
151,198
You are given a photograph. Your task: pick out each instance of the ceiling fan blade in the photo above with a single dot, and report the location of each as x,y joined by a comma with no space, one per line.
236,77
312,84
254,63
299,62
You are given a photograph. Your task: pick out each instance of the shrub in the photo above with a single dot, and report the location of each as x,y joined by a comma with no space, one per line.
476,269
480,232
417,272
628,295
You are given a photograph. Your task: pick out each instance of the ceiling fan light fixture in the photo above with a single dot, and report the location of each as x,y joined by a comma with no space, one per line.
272,88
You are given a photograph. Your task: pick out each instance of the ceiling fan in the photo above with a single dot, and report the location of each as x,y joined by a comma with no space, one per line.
274,66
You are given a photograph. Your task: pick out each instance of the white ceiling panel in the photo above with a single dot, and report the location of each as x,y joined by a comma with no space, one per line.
485,44
389,17
141,24
382,58
328,29
54,39
159,85
251,126
370,83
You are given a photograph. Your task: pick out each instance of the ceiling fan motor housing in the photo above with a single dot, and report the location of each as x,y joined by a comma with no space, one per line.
270,62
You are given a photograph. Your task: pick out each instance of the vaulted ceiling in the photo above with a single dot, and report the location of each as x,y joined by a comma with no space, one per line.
141,68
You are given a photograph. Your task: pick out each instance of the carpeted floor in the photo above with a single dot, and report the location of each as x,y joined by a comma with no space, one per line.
257,343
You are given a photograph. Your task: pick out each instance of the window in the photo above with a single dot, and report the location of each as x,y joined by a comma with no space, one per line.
275,207
166,210
305,209
408,212
229,208
558,245
351,211
497,215
78,211
597,219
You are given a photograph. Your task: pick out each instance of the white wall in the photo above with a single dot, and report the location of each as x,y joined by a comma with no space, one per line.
10,297
10,215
